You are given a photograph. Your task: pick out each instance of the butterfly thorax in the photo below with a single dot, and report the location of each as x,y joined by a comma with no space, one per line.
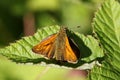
60,45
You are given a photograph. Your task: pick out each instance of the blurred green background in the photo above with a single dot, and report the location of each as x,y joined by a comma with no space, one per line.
20,18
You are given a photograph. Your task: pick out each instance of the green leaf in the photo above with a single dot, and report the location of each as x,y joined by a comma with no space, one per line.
107,26
104,72
21,50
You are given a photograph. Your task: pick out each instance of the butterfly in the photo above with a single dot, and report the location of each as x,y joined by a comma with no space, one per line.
59,47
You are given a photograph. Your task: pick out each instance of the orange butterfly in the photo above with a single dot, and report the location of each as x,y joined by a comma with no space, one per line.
59,47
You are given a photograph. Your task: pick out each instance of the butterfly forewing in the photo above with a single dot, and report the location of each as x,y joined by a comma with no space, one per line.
45,46
70,54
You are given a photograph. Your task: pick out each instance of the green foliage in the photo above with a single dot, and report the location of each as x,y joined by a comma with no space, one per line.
107,26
